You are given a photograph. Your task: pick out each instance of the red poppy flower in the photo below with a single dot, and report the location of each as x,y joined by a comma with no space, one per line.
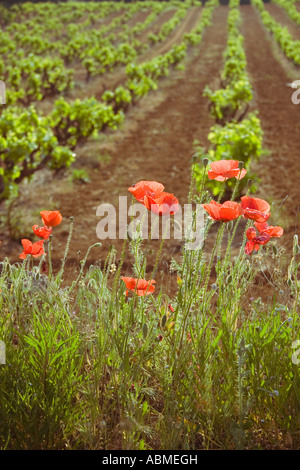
255,241
265,233
42,232
145,188
221,170
51,218
275,232
225,212
255,209
164,204
139,286
34,249
152,195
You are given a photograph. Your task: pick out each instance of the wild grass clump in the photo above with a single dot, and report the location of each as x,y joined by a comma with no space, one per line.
113,362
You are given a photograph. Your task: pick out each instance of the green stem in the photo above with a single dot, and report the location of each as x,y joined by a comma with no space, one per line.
59,276
49,257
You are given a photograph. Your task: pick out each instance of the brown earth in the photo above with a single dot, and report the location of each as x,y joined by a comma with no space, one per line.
280,15
136,18
155,27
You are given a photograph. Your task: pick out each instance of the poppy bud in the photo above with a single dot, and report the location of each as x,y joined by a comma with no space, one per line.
296,247
163,321
289,282
145,330
195,158
176,224
275,251
229,279
205,162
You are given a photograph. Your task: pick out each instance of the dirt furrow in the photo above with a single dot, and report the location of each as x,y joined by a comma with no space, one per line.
189,22
280,170
155,27
282,18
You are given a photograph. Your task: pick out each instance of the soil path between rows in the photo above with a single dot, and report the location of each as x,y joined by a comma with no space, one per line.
280,120
155,143
281,16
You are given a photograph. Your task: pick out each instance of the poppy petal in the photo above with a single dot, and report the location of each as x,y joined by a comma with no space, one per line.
251,233
143,188
51,218
27,245
222,170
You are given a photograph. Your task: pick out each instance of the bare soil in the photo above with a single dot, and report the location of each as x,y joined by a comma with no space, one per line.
282,18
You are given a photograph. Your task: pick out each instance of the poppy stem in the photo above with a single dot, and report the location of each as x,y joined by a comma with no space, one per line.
83,263
192,184
158,254
49,256
114,303
61,272
236,187
41,262
228,249
25,263
216,245
221,193
203,179
242,250
142,268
